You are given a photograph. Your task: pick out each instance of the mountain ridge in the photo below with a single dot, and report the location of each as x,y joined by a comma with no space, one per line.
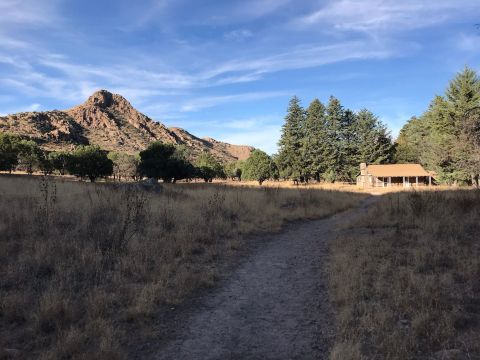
111,122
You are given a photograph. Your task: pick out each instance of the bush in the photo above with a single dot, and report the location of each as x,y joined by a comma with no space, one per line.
166,162
233,170
209,168
9,148
29,155
59,161
90,161
124,165
259,166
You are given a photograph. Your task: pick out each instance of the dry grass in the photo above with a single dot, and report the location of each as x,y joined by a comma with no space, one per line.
406,278
82,263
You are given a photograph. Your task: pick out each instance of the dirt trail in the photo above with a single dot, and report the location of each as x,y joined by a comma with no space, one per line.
274,305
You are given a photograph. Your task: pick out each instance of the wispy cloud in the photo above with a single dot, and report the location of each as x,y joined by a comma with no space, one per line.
211,101
238,35
26,12
386,15
304,56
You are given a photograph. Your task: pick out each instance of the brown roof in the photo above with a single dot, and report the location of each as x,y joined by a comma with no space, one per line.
397,170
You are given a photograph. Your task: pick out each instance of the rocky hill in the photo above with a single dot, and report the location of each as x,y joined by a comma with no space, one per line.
110,121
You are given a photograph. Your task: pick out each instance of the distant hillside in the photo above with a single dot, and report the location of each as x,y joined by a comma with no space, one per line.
110,121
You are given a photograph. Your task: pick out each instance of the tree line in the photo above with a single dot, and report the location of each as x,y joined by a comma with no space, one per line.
158,161
328,142
446,138
321,143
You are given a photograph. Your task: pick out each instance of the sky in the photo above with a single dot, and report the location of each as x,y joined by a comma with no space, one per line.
227,69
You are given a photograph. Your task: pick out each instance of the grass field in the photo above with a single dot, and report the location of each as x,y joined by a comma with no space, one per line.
405,279
81,263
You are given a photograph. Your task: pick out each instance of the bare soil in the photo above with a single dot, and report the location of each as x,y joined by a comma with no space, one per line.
274,305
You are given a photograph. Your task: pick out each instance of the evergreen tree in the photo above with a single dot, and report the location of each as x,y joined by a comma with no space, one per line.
348,147
442,139
259,166
334,152
463,94
374,143
315,139
290,154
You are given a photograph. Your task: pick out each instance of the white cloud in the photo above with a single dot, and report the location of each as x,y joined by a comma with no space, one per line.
304,56
27,12
374,16
211,101
238,35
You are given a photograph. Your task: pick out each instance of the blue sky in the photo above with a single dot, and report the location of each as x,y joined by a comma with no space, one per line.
227,69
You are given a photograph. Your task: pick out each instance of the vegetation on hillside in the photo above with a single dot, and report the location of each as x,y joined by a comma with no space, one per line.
446,138
86,266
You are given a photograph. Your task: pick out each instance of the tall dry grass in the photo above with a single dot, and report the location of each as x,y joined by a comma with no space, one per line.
406,279
82,263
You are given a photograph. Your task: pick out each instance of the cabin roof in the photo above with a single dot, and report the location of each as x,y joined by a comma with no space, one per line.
397,170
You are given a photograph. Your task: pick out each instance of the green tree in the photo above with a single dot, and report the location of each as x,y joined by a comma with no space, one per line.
208,167
463,94
290,156
124,165
374,143
155,161
233,170
45,163
334,150
442,139
90,161
29,155
60,161
180,167
259,167
315,140
9,149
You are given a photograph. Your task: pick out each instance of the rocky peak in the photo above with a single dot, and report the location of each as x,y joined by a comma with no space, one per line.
101,98
110,121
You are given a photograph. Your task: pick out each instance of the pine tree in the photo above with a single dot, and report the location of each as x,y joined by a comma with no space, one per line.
315,139
374,143
290,154
333,150
348,147
442,139
463,94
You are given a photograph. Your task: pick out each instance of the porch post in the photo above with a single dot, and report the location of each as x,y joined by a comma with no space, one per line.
429,181
404,181
389,181
416,179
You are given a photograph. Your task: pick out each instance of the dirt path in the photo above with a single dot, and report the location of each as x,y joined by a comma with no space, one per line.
274,305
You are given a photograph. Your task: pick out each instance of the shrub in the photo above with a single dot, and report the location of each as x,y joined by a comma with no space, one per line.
259,166
59,161
90,161
9,148
164,161
29,155
208,167
124,165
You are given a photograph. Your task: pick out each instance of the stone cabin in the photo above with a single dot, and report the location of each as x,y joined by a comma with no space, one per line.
405,175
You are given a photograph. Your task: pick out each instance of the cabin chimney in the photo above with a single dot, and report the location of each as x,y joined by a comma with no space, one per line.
363,169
